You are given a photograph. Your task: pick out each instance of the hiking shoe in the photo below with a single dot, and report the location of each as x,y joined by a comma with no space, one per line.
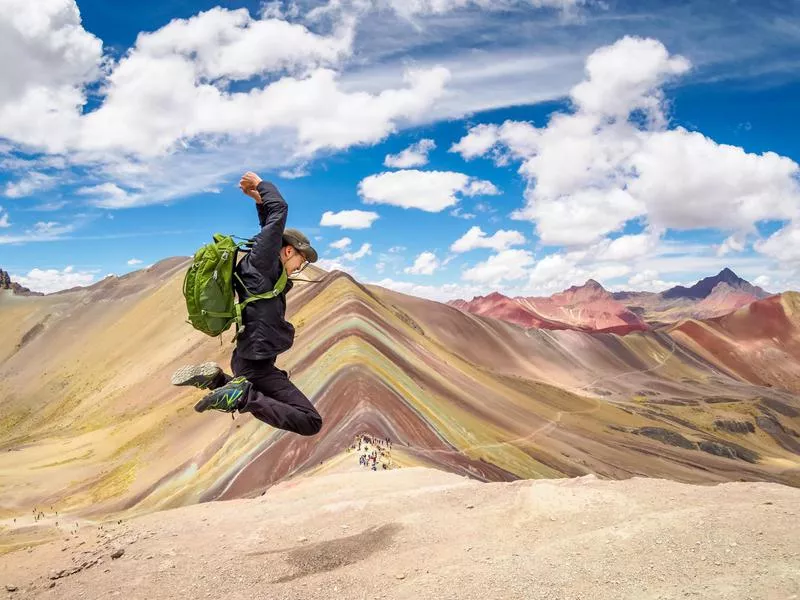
200,376
225,398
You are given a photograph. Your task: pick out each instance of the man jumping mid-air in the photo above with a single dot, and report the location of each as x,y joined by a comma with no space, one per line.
258,386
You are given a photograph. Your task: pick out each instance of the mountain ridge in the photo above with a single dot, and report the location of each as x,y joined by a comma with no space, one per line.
590,307
91,425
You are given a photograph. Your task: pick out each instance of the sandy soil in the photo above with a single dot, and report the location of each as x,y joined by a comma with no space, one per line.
421,533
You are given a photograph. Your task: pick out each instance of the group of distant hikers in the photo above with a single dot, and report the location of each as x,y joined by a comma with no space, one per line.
373,451
261,281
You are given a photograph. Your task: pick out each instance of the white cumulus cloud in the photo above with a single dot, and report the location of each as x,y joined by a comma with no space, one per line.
48,58
53,280
341,244
134,261
649,281
431,191
734,243
783,245
416,155
505,265
476,238
762,281
426,263
109,195
358,254
203,92
626,247
348,219
613,159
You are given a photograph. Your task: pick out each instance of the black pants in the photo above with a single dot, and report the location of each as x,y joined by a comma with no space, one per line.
273,398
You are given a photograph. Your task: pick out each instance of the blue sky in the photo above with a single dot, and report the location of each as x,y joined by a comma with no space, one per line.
644,145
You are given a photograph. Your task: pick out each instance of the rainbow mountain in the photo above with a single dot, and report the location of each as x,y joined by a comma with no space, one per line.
91,426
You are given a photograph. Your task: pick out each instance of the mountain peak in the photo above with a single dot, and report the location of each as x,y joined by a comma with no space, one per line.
728,276
591,288
494,296
704,287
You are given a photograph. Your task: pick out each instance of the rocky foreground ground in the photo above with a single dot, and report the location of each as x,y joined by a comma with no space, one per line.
421,533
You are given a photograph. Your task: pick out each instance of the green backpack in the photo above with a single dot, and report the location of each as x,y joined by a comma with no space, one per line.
208,287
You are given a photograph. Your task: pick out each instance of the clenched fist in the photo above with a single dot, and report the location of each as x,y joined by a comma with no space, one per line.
249,183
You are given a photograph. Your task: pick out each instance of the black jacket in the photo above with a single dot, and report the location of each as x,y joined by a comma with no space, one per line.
266,331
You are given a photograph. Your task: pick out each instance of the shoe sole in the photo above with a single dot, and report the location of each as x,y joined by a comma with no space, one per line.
196,375
205,404
202,405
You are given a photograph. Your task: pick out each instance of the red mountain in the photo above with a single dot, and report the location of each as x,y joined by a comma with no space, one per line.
502,307
588,308
723,299
757,341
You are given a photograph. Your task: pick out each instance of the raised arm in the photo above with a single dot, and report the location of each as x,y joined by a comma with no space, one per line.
272,213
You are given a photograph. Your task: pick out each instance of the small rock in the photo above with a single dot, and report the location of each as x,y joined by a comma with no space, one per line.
302,539
117,553
11,588
148,557
400,576
52,584
470,506
552,518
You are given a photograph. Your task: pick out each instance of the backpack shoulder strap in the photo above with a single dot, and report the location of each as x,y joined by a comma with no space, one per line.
275,291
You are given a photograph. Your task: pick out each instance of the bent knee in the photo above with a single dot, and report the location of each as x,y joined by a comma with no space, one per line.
313,426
